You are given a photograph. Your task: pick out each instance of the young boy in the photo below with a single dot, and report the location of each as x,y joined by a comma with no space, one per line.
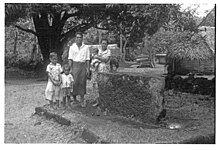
66,85
54,80
95,62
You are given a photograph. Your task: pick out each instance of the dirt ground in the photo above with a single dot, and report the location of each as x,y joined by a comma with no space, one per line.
195,114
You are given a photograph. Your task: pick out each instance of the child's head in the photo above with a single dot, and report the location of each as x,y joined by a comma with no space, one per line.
66,69
53,57
95,51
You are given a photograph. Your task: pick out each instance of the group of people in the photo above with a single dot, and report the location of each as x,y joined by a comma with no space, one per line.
67,82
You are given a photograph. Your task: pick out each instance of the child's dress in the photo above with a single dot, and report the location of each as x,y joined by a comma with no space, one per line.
94,64
66,84
52,91
104,66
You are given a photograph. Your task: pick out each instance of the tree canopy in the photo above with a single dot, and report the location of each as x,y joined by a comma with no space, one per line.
56,24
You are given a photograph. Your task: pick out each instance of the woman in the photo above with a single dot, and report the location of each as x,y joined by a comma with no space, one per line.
104,66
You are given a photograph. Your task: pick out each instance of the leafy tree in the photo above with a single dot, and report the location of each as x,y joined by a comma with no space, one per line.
19,46
134,21
183,20
56,24
180,21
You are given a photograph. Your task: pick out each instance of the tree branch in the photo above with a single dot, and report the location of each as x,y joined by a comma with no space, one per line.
67,16
101,28
26,30
84,26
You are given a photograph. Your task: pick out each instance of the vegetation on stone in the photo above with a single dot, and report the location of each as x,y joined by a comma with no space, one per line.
131,95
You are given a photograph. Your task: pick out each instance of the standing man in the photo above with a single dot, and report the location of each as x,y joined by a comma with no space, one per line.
79,60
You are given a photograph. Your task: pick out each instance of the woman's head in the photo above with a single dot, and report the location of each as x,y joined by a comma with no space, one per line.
104,44
53,58
79,38
66,69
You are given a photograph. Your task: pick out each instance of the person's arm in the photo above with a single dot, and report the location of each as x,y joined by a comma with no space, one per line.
104,59
60,79
88,60
70,64
70,58
49,74
50,77
60,75
71,83
87,64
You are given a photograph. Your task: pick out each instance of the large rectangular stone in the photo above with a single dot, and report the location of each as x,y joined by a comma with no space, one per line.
132,94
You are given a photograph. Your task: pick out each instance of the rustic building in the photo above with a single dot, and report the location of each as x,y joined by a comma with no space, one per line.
198,54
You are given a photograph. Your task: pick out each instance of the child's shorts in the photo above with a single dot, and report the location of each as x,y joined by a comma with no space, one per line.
52,92
65,92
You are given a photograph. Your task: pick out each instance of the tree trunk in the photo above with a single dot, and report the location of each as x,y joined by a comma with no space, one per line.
48,36
152,58
150,51
121,46
99,34
15,42
124,48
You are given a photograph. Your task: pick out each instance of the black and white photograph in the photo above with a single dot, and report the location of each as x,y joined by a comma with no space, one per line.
109,73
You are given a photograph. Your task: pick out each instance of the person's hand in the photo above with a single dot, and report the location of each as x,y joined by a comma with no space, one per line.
96,57
54,82
59,83
87,71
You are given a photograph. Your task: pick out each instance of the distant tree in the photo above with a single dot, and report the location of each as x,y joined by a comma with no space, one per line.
19,45
180,21
136,20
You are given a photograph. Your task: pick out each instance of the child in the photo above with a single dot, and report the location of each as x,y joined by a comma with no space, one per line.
66,85
54,80
94,68
95,62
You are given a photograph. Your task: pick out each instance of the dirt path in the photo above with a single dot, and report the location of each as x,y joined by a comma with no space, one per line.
21,98
21,126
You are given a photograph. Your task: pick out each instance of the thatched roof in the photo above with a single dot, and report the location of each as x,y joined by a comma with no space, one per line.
207,28
209,20
191,46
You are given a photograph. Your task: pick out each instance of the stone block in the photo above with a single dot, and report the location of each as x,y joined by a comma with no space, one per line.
132,94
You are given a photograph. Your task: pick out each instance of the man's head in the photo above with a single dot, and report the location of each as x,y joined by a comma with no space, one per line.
79,38
104,44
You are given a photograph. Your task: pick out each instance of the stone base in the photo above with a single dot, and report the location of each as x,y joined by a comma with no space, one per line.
49,115
132,95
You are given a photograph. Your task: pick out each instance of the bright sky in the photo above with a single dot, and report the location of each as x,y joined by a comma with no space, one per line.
203,8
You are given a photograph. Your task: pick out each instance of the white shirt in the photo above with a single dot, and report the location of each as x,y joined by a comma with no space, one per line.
66,80
79,54
55,70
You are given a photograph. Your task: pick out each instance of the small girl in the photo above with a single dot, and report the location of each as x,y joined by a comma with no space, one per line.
95,62
66,85
54,80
